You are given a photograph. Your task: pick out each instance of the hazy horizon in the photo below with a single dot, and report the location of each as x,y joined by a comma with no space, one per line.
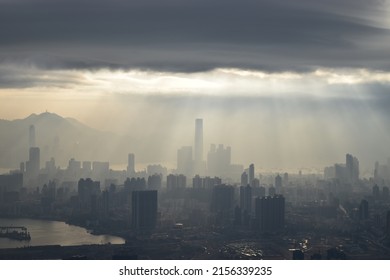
154,154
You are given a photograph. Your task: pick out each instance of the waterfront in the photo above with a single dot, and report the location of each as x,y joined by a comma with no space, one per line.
45,232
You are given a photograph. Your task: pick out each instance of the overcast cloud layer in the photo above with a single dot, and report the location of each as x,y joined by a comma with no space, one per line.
196,35
307,80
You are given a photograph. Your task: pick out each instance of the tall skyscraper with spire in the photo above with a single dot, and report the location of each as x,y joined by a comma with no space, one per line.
198,147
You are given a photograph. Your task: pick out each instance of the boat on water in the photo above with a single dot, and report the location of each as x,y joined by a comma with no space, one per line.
15,233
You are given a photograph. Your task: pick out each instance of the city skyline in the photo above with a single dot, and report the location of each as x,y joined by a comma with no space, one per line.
215,159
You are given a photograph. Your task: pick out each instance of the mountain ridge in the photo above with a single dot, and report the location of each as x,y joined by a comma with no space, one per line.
58,137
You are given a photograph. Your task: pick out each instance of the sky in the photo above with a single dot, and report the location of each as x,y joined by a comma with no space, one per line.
286,84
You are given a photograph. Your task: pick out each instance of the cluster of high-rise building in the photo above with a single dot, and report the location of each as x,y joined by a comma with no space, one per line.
190,161
345,173
261,212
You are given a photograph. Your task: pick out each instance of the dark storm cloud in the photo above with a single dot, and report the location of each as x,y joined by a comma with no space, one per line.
12,77
195,35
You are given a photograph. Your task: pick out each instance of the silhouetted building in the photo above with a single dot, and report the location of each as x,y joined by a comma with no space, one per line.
154,181
134,184
269,213
246,204
144,209
88,192
176,181
205,182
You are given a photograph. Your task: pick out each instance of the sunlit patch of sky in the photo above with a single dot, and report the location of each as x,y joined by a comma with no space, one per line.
219,82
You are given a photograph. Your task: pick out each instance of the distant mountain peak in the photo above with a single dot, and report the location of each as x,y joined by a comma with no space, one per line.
44,115
58,137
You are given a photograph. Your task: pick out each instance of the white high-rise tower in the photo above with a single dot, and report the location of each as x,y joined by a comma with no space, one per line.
198,148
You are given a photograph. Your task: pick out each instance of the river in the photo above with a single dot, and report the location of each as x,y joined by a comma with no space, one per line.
44,232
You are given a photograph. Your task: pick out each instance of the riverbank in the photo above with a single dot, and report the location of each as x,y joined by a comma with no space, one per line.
48,232
90,228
